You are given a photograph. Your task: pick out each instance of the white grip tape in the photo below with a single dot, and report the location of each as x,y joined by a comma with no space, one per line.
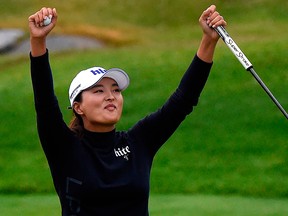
233,47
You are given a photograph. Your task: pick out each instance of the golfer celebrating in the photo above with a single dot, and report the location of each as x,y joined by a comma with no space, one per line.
96,169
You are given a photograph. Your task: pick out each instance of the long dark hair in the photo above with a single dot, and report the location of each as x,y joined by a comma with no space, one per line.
76,124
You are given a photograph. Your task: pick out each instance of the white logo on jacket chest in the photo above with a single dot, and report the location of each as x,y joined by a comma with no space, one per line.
122,152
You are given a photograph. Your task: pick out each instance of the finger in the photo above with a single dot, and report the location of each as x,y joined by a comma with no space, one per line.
216,20
213,16
45,11
43,14
210,13
220,23
204,16
54,15
211,9
54,12
36,19
48,14
31,18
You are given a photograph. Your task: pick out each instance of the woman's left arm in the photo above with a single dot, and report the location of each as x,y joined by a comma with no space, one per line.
157,127
209,19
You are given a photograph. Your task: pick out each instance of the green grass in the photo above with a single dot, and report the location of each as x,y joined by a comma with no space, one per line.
168,205
233,144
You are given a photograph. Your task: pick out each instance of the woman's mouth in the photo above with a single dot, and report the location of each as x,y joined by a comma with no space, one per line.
110,107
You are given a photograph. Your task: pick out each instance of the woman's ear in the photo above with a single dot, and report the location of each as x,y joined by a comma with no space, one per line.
77,108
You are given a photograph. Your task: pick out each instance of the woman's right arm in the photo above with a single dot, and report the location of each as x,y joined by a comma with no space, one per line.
52,130
40,68
39,32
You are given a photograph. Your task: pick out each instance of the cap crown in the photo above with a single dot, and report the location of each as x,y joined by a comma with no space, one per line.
83,80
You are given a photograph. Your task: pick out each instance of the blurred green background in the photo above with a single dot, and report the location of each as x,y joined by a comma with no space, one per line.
235,141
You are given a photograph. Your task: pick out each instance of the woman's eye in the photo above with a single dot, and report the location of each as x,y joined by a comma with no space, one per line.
98,91
117,90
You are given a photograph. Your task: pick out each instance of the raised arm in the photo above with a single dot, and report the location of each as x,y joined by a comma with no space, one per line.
209,19
39,31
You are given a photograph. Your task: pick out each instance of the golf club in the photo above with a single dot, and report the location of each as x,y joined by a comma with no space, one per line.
246,63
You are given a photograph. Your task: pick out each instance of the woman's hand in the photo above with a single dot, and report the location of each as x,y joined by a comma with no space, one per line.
210,19
38,31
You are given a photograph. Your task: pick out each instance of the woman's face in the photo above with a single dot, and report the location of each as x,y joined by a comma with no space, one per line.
101,106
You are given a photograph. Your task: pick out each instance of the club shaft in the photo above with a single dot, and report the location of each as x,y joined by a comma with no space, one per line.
266,89
246,64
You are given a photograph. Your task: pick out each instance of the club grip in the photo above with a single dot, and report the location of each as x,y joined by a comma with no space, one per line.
233,47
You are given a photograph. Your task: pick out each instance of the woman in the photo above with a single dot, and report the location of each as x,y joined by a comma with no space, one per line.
96,169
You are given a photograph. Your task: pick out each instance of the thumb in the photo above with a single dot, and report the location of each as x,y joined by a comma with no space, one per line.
54,16
209,11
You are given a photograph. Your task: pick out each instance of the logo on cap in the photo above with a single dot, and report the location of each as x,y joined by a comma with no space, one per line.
98,71
75,91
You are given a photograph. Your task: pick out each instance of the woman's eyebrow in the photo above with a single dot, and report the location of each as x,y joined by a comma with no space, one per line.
97,85
100,85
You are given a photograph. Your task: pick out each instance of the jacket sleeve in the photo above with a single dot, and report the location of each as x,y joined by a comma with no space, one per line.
52,129
157,127
194,81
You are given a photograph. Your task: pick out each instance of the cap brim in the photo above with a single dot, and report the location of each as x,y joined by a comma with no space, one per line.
119,76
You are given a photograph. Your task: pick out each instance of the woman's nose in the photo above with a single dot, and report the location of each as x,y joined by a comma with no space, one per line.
109,96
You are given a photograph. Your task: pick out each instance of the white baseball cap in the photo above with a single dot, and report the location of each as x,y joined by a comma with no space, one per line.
89,77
